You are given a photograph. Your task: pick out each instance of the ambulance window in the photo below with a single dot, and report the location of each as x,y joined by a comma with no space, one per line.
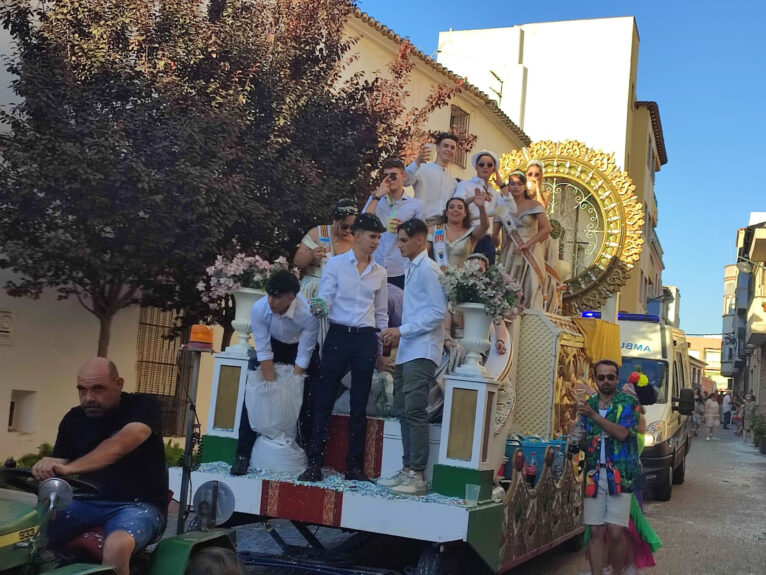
676,376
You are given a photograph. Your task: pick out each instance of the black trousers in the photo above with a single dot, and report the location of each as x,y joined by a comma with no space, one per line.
283,353
344,349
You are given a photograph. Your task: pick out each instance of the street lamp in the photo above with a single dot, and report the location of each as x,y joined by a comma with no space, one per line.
746,266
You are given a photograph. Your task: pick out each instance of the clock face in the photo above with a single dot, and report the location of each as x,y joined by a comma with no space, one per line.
596,217
582,225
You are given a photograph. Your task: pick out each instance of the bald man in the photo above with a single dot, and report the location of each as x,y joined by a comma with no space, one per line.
113,440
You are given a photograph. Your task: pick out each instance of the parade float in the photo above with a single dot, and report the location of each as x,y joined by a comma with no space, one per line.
485,500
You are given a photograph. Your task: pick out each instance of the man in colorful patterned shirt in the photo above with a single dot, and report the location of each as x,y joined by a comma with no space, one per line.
611,464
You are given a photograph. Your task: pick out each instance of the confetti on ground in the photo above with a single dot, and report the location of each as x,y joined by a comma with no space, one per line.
335,481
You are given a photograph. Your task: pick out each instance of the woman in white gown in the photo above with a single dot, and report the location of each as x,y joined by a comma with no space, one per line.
522,251
553,283
453,241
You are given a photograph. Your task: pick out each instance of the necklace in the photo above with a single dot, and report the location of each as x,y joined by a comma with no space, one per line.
601,404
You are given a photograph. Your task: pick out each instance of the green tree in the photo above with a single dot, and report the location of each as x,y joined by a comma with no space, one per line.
152,133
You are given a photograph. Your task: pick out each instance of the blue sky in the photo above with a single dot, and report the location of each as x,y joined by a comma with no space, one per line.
703,62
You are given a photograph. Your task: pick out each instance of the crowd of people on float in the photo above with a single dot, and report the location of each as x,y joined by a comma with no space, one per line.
371,283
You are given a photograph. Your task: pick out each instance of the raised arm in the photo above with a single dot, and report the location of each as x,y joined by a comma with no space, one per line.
306,255
481,230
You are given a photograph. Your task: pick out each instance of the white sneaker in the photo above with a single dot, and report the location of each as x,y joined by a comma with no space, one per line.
607,570
394,480
412,484
630,570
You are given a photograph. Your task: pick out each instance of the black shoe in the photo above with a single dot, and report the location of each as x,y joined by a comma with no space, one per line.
240,465
356,475
312,475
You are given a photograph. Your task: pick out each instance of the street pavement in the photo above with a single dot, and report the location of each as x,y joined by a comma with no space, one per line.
715,523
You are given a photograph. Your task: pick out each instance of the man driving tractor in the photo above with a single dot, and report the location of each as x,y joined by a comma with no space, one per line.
114,441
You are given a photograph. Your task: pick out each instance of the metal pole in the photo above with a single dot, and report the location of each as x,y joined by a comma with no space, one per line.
187,458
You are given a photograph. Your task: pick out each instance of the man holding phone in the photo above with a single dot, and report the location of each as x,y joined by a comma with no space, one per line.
392,206
431,180
609,418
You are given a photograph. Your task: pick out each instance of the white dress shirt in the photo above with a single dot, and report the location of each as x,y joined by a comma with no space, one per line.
296,325
425,307
354,299
433,186
388,254
467,189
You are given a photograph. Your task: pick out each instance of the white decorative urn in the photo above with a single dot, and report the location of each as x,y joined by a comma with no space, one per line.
243,303
476,324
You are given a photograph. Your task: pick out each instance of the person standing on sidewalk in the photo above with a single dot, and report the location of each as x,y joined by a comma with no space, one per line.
749,411
421,342
610,419
726,410
712,416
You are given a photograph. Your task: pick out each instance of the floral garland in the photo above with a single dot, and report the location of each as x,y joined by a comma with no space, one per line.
227,276
499,292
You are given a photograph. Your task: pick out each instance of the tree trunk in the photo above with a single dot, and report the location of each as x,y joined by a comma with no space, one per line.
228,331
104,333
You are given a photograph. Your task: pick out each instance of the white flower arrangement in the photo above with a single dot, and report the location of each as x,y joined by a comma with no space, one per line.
227,276
499,292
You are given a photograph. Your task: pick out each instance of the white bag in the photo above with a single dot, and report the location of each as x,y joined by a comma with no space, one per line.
273,407
280,455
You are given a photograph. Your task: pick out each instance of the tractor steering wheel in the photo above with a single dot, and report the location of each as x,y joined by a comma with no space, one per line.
23,479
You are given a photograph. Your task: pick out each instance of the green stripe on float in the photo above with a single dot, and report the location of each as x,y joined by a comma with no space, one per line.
485,527
215,448
451,481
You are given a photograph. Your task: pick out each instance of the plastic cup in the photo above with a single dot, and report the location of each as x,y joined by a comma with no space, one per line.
431,155
472,493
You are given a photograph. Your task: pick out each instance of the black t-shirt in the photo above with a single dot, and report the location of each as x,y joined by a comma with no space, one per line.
140,475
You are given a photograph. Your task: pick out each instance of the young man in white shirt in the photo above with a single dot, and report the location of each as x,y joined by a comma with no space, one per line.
431,181
392,206
284,331
726,410
354,288
421,341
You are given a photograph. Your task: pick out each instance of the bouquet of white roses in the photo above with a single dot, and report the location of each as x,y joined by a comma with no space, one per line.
227,276
499,292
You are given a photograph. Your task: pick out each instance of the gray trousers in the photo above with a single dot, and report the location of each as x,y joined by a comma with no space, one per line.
412,381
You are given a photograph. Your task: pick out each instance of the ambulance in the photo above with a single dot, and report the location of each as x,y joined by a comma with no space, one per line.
660,351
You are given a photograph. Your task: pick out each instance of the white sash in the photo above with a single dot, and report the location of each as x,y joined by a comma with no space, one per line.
440,246
511,229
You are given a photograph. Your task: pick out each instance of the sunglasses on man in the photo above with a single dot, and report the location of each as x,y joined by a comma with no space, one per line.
606,376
